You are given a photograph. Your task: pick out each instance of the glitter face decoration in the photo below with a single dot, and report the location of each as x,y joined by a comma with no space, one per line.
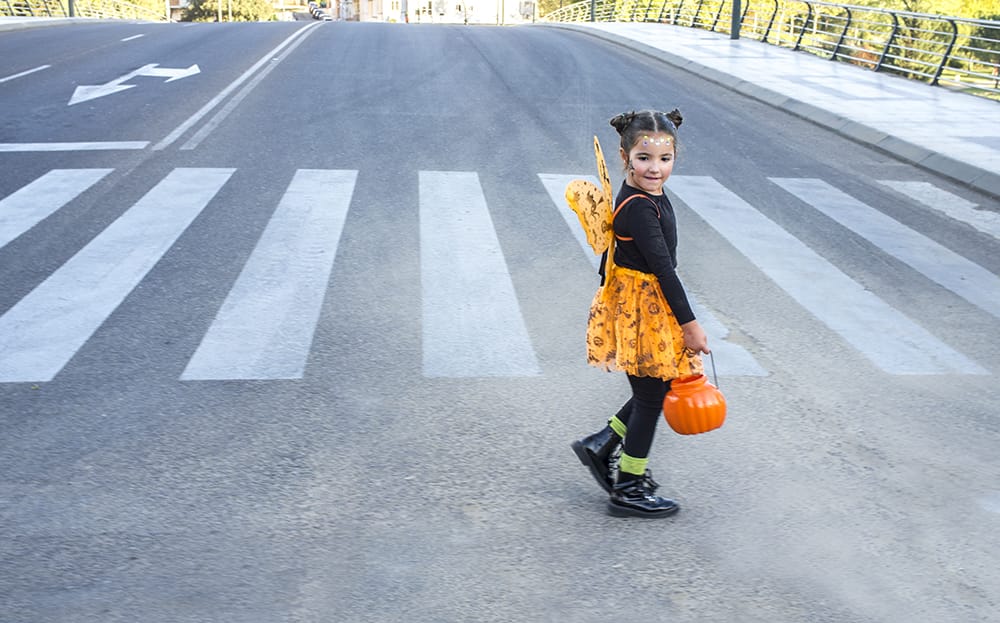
663,141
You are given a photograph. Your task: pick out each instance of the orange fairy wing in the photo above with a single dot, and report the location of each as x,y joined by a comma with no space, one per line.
594,212
593,205
602,171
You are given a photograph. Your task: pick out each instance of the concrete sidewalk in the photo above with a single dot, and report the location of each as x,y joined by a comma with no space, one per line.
952,133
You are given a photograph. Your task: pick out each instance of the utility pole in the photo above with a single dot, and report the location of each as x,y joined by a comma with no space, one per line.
734,30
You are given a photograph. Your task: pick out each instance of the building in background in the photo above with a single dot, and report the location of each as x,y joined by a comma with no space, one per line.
445,11
405,11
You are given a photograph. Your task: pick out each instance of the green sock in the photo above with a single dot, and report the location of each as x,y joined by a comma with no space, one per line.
618,426
632,465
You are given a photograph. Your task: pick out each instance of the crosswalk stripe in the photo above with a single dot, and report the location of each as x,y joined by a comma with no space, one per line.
892,341
555,184
731,359
33,203
966,279
949,204
472,323
43,331
734,360
265,327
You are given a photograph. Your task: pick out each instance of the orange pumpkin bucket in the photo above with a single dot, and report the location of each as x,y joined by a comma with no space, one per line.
694,406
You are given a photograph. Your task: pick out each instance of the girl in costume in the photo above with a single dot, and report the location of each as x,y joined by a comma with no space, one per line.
640,320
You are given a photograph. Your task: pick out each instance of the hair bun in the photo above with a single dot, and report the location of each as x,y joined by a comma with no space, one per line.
623,121
675,117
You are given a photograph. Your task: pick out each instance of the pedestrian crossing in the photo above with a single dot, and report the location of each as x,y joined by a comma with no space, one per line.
471,319
40,334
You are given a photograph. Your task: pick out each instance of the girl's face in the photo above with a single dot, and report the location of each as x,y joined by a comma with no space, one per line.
650,162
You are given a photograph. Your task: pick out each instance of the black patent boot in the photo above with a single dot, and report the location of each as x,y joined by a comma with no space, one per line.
595,452
632,496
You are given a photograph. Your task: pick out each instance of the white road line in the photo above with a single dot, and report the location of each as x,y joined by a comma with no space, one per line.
43,331
732,360
24,73
231,105
28,206
215,101
265,327
472,323
82,146
938,263
892,341
132,38
951,205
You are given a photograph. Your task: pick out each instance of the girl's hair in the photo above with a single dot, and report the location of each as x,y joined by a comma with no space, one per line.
632,125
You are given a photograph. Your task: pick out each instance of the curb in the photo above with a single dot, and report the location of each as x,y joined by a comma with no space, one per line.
23,23
16,23
965,173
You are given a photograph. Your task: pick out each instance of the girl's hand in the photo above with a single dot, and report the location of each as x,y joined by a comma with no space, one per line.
694,337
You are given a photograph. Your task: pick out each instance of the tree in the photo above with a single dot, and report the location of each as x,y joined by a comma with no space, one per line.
242,10
547,6
975,9
137,9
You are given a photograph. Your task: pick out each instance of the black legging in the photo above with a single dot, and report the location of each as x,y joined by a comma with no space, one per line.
646,405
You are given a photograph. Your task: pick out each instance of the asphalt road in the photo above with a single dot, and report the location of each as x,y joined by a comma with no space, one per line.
240,379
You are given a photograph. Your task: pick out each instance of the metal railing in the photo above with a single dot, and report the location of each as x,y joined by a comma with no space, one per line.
32,8
946,51
108,9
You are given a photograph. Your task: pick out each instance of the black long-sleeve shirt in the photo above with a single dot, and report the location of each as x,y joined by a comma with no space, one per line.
650,223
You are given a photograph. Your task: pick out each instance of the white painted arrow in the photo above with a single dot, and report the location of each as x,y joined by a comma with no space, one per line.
173,74
93,91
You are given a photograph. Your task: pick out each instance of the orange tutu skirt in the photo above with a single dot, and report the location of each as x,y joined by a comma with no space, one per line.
632,329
